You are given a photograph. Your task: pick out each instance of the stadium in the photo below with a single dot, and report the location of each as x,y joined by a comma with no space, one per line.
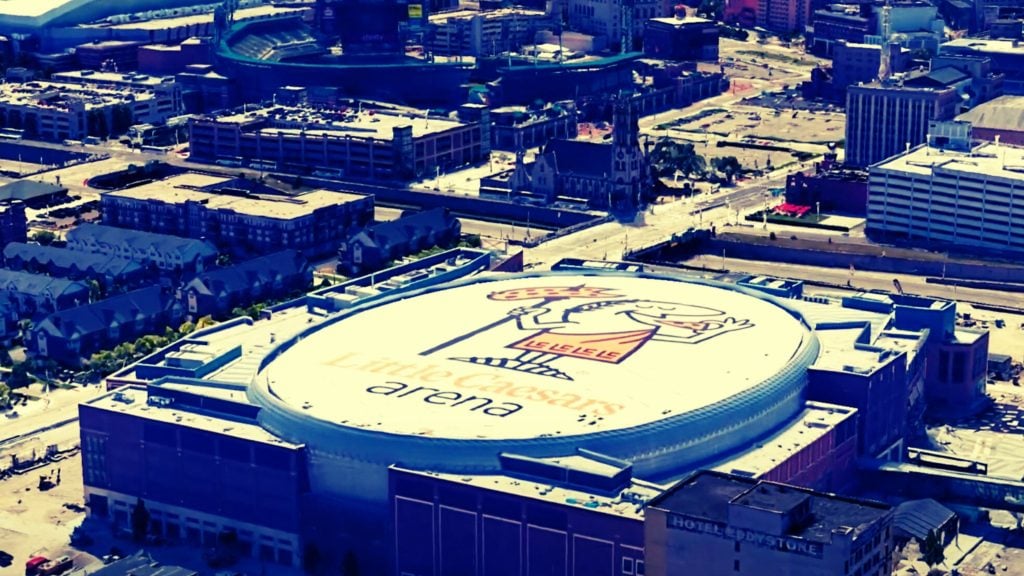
635,368
289,429
286,51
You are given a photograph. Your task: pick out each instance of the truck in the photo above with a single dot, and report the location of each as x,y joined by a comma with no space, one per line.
33,564
58,565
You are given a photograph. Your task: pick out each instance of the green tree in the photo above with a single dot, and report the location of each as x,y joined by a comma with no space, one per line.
140,521
124,351
5,395
19,376
184,330
224,259
205,321
932,551
103,362
670,156
44,237
729,166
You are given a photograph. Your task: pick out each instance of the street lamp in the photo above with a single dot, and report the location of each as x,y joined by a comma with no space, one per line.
817,209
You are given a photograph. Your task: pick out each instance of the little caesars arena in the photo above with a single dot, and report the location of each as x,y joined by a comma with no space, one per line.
668,375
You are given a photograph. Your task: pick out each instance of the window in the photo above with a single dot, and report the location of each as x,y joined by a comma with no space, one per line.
627,565
736,565
640,568
737,546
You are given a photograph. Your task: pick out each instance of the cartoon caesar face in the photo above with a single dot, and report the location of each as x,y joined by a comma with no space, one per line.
607,331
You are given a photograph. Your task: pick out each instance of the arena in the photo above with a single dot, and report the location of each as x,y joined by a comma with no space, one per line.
636,368
587,379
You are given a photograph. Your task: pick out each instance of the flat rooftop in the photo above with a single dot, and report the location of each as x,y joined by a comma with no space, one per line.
356,123
840,354
182,188
132,79
466,13
133,400
984,45
256,340
629,503
210,391
59,96
708,495
901,340
679,21
241,14
816,420
968,336
985,161
29,8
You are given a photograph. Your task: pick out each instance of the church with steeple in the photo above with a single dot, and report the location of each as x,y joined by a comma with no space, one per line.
607,175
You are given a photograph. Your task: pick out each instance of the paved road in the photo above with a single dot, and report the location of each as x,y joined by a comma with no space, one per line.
47,413
659,223
864,280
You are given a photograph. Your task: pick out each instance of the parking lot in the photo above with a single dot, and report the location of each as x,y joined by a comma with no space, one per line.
772,126
34,521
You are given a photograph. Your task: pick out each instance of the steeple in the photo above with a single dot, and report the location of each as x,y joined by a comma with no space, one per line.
628,162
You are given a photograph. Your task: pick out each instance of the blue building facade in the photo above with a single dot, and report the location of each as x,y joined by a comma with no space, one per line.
197,476
539,518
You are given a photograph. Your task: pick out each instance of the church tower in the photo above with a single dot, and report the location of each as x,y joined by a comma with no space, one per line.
629,166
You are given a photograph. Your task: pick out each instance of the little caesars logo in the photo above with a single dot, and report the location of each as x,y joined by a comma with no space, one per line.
781,543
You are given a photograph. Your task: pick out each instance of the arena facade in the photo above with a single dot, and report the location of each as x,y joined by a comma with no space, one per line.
657,375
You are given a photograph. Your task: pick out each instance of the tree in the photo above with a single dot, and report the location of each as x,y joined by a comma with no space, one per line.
44,237
729,166
19,376
932,551
185,329
670,157
140,521
224,259
5,395
103,362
